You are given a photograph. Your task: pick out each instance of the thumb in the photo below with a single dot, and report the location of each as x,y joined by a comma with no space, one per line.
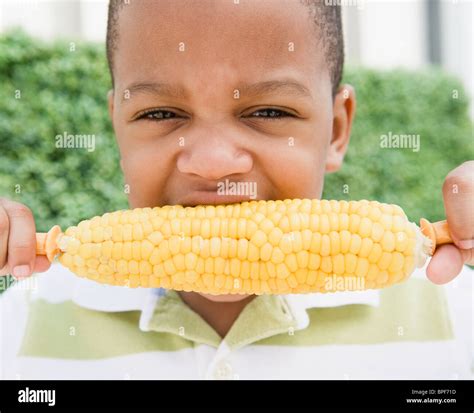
458,196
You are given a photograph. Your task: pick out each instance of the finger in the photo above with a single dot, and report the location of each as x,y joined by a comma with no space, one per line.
468,256
5,271
22,239
446,264
458,196
4,229
41,264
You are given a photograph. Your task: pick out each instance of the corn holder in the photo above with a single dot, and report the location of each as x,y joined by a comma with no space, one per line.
253,247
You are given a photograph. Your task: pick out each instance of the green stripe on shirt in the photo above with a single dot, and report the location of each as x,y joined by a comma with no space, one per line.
66,330
412,311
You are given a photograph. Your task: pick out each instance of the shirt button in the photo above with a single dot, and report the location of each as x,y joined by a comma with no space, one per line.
223,371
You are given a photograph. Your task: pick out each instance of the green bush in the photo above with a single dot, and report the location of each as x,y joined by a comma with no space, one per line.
63,90
428,103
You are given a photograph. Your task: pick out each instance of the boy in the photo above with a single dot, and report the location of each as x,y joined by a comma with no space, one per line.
208,91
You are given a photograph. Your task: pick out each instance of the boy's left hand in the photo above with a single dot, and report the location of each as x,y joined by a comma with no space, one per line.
458,195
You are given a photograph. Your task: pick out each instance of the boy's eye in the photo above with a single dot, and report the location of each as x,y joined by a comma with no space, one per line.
160,114
270,114
156,114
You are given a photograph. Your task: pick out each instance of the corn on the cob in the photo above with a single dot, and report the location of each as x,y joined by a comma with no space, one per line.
256,247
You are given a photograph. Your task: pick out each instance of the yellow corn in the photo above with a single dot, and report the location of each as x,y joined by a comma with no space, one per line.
256,247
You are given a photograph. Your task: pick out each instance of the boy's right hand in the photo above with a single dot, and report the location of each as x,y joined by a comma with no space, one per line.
18,241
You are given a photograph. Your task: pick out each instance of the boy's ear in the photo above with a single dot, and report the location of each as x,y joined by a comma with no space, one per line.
110,100
343,111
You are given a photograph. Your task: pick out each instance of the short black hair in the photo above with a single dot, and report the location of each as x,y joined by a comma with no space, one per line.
327,18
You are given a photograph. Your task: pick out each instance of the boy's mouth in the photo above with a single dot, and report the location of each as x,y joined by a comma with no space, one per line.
211,198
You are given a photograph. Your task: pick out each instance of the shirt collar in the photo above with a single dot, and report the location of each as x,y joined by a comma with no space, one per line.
100,297
301,303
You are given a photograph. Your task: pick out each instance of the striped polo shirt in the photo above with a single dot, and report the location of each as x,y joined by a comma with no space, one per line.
58,326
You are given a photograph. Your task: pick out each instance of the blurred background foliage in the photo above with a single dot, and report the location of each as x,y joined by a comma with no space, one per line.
65,91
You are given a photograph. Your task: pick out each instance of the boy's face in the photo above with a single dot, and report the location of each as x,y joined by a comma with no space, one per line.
212,68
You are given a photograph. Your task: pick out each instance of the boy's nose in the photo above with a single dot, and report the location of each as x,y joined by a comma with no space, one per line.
213,157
